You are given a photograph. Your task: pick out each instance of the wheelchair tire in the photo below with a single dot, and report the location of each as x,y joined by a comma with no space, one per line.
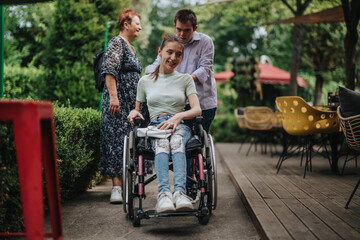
125,172
130,181
204,219
135,219
214,172
208,199
210,191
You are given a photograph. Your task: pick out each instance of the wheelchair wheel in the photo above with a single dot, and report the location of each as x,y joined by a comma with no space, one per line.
131,183
208,199
136,219
209,144
214,173
125,173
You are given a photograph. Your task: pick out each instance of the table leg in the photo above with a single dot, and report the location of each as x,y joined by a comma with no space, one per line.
334,152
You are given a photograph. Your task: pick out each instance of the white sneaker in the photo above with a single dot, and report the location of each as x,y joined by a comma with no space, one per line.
116,195
182,202
164,203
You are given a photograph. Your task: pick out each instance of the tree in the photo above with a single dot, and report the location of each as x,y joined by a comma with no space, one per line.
231,35
295,40
75,35
323,51
351,15
25,28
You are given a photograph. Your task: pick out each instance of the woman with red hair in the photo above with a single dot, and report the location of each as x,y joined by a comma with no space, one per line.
121,70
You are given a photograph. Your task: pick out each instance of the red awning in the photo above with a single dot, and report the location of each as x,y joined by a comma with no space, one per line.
223,76
268,75
273,75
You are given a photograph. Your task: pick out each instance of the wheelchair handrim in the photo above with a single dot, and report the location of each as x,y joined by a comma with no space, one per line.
124,176
213,159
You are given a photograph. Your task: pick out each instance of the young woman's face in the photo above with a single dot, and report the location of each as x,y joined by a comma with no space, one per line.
171,56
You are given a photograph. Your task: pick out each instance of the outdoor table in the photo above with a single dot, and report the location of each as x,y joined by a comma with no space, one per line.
334,151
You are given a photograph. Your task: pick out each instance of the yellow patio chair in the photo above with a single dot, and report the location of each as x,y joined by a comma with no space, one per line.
301,119
351,129
261,120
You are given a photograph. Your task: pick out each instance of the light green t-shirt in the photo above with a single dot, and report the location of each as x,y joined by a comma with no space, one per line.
168,94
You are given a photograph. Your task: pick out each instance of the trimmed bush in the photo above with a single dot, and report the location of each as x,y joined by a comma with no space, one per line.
78,144
224,128
20,82
10,202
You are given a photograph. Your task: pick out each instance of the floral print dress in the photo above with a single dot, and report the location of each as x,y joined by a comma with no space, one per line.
126,67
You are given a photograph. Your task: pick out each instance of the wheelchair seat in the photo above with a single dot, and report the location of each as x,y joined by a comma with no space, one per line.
145,149
193,146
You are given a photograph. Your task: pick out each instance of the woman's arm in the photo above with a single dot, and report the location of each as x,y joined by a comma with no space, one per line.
189,114
135,113
114,100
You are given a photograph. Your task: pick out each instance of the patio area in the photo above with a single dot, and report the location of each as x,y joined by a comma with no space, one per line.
286,206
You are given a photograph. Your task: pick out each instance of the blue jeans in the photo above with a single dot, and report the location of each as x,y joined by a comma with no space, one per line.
173,146
208,116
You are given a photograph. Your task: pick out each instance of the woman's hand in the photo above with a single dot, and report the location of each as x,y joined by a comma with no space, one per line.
114,106
133,114
114,100
172,122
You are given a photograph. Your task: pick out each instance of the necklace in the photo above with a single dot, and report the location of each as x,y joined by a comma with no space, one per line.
127,42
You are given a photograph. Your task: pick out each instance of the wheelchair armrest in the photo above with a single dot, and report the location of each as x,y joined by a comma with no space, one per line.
197,119
139,122
199,130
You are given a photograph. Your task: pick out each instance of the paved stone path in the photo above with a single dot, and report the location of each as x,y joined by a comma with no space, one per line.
91,216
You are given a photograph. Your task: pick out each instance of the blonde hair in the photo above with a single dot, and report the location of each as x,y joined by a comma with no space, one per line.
168,38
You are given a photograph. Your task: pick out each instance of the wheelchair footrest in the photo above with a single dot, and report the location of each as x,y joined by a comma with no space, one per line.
153,213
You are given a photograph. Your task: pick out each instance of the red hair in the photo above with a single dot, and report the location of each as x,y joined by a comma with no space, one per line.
126,15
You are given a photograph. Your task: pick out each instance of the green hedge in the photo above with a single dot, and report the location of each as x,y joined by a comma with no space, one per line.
77,141
75,84
224,128
10,202
21,82
78,144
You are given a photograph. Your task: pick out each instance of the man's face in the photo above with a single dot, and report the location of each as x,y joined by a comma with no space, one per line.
184,31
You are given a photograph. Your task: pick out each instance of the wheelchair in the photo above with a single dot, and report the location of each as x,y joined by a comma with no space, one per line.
200,148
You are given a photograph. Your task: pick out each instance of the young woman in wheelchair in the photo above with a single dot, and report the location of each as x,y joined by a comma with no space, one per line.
166,92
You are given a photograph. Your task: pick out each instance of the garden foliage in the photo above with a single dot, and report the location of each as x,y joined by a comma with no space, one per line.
59,39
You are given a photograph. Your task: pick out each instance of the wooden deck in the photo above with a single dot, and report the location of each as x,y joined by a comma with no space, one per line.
286,206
